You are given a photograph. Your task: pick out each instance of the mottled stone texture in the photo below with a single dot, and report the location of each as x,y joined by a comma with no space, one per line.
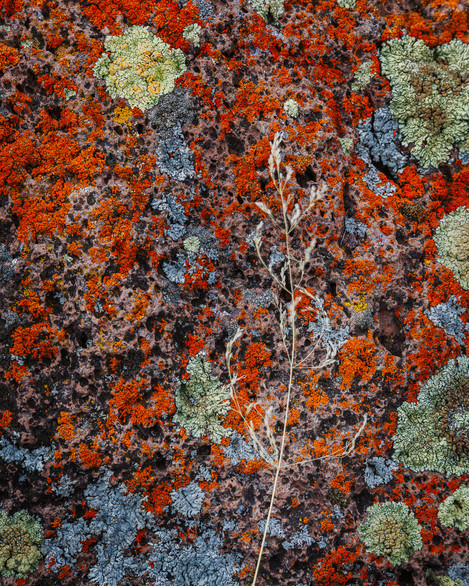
128,265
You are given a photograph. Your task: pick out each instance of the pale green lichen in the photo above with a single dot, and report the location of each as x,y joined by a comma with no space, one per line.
443,580
201,401
452,241
454,511
363,76
69,93
349,4
192,244
20,544
192,33
140,67
433,434
391,530
430,95
291,108
346,144
269,10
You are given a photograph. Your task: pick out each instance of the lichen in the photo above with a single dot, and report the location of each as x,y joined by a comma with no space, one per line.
430,95
454,511
379,471
188,499
192,33
443,580
192,244
291,108
201,401
391,530
363,76
20,544
380,142
432,433
270,10
452,241
140,67
446,316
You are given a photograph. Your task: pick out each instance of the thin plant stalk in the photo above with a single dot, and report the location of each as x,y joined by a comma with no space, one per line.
291,219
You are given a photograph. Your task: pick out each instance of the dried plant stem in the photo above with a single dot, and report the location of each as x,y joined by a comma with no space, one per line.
289,280
275,158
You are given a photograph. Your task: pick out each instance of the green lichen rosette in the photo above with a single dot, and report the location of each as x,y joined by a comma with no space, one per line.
20,544
391,530
433,434
201,401
269,10
139,67
452,241
430,95
454,511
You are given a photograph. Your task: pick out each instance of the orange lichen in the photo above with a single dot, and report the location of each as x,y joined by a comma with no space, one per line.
357,359
65,426
90,458
340,483
36,341
9,56
328,570
6,419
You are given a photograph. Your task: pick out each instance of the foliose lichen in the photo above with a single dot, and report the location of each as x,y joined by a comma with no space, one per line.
454,511
379,471
432,434
452,241
430,95
192,33
380,138
443,580
201,401
270,10
119,516
192,244
446,316
20,544
188,500
363,76
140,67
291,108
391,530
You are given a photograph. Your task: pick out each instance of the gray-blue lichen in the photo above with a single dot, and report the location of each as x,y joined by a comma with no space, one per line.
239,449
446,316
459,572
188,499
201,401
201,563
380,137
30,460
379,471
119,515
298,539
322,329
175,158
